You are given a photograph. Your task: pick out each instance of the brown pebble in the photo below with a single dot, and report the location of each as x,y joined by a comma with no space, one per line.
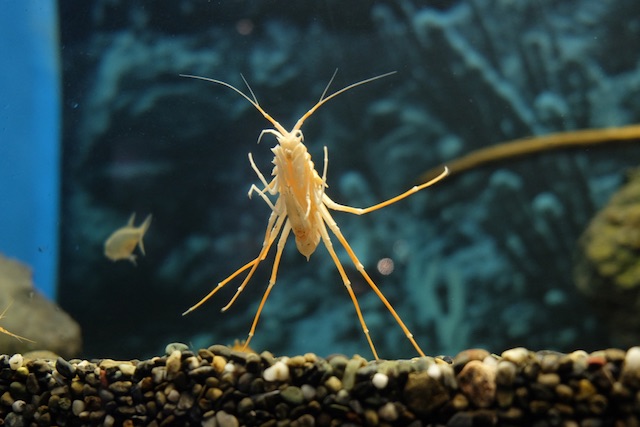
550,380
371,417
564,392
120,387
505,373
205,354
333,384
598,404
213,394
173,363
477,382
296,362
585,390
219,363
504,397
460,402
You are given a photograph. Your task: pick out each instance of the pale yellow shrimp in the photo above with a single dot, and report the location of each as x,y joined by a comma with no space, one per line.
4,331
303,207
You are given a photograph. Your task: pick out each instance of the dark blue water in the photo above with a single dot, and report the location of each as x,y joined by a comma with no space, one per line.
482,259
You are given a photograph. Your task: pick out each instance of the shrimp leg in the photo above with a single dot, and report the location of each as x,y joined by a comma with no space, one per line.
272,231
345,280
361,211
356,262
263,254
272,281
11,334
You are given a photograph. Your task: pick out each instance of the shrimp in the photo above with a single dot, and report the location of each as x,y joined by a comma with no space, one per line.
302,207
4,331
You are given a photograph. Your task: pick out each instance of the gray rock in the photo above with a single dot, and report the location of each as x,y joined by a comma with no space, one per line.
33,316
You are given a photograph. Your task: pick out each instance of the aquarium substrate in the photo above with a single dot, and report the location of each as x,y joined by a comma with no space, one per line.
223,387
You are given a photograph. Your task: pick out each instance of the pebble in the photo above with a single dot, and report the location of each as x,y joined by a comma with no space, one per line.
516,355
292,395
279,371
173,363
18,406
477,382
77,406
308,391
631,367
333,383
226,420
127,369
550,379
380,380
349,376
175,346
423,394
388,412
505,373
15,362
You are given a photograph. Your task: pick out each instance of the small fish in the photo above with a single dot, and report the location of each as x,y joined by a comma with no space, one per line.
123,241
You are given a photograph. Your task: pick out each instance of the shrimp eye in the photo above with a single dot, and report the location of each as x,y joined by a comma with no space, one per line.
298,135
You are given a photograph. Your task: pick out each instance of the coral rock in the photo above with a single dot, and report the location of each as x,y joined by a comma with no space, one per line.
607,269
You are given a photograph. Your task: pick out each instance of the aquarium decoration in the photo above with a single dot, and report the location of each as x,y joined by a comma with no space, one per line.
512,150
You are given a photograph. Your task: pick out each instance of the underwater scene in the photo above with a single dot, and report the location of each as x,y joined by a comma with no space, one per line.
189,175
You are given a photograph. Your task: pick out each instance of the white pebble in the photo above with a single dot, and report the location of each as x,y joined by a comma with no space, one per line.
380,380
18,406
631,360
279,371
631,366
15,362
434,371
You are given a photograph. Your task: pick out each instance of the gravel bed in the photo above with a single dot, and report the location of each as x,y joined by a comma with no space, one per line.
221,387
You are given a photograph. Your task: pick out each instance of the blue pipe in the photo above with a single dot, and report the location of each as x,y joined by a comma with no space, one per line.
30,137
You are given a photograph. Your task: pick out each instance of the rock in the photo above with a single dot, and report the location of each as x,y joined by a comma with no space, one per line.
424,394
607,270
477,382
33,316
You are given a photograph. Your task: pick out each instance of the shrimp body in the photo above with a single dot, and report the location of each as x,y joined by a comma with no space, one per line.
302,206
301,191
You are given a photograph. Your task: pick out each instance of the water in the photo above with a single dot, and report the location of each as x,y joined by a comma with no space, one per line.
484,258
